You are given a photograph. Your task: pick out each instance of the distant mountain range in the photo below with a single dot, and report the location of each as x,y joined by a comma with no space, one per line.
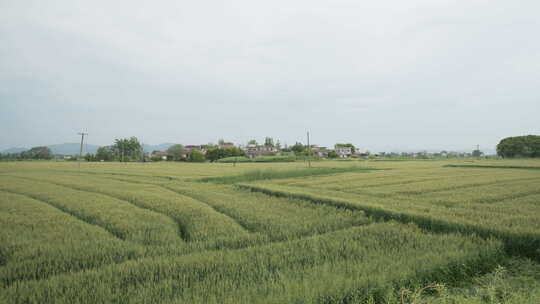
73,148
160,147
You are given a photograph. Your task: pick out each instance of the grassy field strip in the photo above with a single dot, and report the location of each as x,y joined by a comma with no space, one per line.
381,177
121,218
425,187
495,167
486,194
34,243
148,178
521,238
284,174
393,181
278,218
384,256
199,222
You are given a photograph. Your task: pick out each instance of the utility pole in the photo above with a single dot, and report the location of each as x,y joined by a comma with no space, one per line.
82,134
309,150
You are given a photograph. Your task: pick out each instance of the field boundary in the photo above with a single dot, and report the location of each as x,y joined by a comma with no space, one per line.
516,244
218,210
492,167
79,217
180,226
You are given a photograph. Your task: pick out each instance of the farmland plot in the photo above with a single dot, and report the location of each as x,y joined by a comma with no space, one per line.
206,233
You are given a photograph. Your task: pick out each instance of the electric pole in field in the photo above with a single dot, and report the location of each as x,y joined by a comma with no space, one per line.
82,134
309,150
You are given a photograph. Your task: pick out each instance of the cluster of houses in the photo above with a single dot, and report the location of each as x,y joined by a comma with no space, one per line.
255,150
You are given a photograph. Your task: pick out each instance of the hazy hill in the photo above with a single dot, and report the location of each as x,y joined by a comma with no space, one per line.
72,148
160,147
14,150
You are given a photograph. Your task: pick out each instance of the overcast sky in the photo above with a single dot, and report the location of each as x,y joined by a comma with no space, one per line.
384,75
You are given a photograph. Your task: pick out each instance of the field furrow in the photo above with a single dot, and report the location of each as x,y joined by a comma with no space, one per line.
121,218
35,245
199,222
336,265
521,238
277,218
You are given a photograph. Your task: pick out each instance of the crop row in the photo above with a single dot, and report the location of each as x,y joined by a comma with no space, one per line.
513,220
359,264
220,214
120,218
38,241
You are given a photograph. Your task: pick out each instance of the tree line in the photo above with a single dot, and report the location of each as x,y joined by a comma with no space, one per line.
519,146
41,152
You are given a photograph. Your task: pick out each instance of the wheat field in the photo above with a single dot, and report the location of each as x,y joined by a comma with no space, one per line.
339,232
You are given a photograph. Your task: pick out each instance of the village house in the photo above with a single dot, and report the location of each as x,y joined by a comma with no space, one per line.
159,154
189,148
226,145
343,152
321,152
253,151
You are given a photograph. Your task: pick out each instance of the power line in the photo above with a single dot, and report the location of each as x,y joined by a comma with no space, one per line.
309,150
82,134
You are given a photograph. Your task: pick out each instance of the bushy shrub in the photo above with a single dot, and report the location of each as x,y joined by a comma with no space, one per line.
279,158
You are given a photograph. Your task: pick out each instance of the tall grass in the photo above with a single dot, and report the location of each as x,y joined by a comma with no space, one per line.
120,218
280,174
353,265
258,232
38,241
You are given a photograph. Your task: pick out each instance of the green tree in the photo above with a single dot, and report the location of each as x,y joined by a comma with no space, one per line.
214,154
90,157
298,148
268,142
519,146
128,149
40,152
176,152
105,153
332,154
196,156
252,142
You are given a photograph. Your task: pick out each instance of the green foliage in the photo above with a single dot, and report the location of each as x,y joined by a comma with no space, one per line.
269,142
106,153
281,174
216,153
516,281
41,152
298,148
196,156
275,159
477,153
235,159
176,152
519,146
260,159
332,154
128,149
